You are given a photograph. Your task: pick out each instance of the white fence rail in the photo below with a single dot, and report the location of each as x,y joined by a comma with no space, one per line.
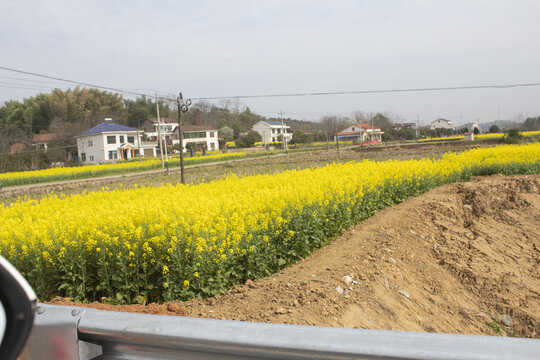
62,332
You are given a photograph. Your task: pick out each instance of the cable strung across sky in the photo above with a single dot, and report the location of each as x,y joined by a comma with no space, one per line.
326,93
82,83
505,86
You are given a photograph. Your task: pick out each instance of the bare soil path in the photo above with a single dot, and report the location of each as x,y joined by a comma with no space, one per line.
452,261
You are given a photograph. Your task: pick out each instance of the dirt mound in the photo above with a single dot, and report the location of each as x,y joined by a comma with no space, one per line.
463,258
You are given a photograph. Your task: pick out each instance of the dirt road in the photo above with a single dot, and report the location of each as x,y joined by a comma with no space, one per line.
463,258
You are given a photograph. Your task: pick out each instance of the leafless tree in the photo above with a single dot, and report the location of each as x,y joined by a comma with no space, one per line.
363,117
225,103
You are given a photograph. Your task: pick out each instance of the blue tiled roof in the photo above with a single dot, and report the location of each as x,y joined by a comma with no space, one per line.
105,127
273,122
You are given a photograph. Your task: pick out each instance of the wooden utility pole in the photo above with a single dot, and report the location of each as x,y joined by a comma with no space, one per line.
179,101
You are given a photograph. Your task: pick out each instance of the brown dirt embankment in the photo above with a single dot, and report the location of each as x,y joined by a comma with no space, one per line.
452,261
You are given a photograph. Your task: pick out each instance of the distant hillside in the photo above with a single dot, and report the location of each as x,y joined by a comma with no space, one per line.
502,124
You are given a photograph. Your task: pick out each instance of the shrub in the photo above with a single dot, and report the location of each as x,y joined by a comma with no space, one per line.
249,139
512,136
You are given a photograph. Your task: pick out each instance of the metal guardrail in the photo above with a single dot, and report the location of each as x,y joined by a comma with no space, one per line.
62,332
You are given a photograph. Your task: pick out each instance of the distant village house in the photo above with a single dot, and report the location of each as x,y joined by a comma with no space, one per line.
41,141
200,135
442,124
406,125
361,133
17,147
167,128
109,142
270,130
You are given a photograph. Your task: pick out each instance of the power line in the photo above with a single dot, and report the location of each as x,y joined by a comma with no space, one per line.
41,88
38,150
505,86
24,126
80,83
34,85
36,81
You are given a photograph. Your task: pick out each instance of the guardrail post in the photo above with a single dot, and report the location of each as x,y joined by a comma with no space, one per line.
54,335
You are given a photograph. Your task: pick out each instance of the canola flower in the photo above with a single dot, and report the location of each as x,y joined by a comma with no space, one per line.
80,172
447,138
343,142
480,136
178,241
500,135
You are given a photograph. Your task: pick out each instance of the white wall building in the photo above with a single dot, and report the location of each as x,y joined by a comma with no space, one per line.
468,136
167,128
107,142
442,124
201,135
271,129
361,133
470,126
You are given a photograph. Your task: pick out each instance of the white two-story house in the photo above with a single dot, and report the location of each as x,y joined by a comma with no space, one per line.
107,142
270,130
167,126
442,124
201,135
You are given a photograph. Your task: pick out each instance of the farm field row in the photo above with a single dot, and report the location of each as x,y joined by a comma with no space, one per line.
90,171
178,242
94,171
255,165
480,136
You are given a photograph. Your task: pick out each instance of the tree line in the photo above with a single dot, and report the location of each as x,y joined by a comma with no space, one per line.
70,112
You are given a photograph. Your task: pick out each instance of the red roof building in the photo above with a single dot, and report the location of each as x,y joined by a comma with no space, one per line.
361,133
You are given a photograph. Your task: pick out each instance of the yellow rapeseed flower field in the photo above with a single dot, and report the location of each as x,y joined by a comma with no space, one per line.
180,241
480,136
88,171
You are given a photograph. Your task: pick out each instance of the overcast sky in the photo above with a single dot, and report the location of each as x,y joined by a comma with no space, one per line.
228,48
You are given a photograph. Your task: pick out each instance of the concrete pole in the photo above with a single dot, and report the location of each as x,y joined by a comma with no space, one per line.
159,135
139,141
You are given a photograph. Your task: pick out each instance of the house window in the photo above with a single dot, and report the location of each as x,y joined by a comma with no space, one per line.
273,139
91,157
111,139
353,128
212,146
121,139
90,143
83,157
131,139
211,134
195,135
113,155
273,131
